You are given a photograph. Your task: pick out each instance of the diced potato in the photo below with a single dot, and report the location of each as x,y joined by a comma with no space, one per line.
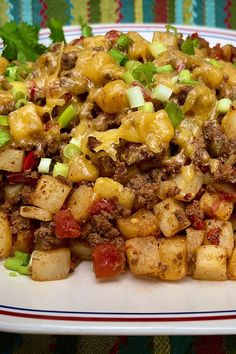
210,263
143,255
138,48
172,252
50,194
194,239
229,124
5,237
225,234
50,265
169,39
81,250
166,188
213,206
171,217
25,124
141,224
189,181
112,98
233,221
11,160
209,74
96,42
24,242
31,212
80,202
232,265
108,188
81,169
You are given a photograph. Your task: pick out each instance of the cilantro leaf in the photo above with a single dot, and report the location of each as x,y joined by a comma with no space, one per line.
21,42
57,34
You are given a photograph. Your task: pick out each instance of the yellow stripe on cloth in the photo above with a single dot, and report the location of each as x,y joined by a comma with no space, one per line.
79,8
4,9
138,11
109,13
188,12
161,345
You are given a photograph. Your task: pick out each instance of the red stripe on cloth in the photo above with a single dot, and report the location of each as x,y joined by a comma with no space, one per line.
89,11
228,14
205,343
160,10
118,11
42,13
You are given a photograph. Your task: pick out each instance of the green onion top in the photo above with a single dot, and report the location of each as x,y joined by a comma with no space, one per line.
4,121
132,64
164,69
119,57
67,116
123,41
175,113
60,169
188,46
21,102
4,137
23,256
144,73
171,28
215,63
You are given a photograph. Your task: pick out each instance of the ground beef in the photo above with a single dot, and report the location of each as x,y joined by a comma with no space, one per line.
136,153
225,173
7,107
106,121
225,90
180,97
193,209
45,237
145,189
200,154
18,223
120,172
26,194
69,59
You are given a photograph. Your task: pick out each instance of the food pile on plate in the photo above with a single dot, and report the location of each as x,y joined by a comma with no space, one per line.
118,151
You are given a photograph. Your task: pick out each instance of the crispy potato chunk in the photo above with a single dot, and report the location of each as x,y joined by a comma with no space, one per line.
232,265
35,213
24,242
143,255
171,217
214,206
210,263
5,237
141,224
221,233
194,239
112,98
11,160
80,202
25,124
167,38
81,250
50,194
229,123
172,258
81,169
50,265
139,47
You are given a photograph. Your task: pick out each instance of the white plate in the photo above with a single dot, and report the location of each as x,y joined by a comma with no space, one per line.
128,305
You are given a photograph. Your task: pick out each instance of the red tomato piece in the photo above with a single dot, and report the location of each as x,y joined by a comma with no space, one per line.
102,204
197,222
113,35
108,261
30,161
213,235
65,225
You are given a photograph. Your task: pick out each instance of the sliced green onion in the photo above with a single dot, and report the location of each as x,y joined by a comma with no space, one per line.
23,256
184,75
189,82
22,72
119,57
164,69
157,48
71,150
171,28
17,94
44,165
174,113
144,73
87,31
123,41
60,169
4,121
21,102
195,42
24,270
67,116
4,137
147,107
75,141
215,63
10,72
161,93
127,77
13,263
132,64
135,97
188,47
223,105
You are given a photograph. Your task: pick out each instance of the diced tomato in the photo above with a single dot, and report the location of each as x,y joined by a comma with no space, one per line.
33,90
197,222
30,161
113,35
217,52
213,235
215,206
102,204
65,225
21,177
108,261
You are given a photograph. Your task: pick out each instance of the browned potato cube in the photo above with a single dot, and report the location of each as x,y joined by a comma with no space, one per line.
5,237
232,265
141,224
172,253
11,160
194,239
35,213
221,233
214,206
80,202
171,217
210,263
143,255
50,194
